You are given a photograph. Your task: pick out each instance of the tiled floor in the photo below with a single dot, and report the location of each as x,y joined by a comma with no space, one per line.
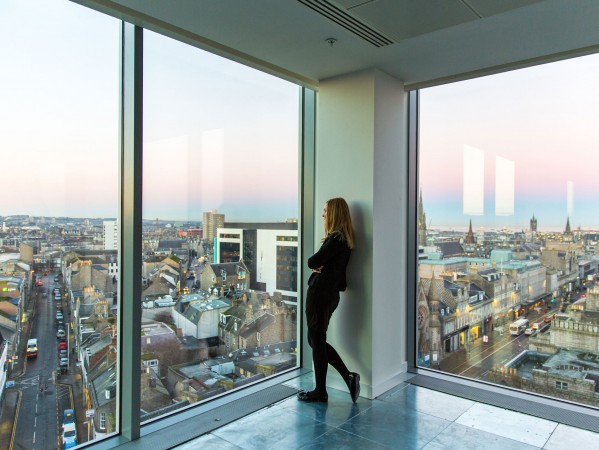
407,417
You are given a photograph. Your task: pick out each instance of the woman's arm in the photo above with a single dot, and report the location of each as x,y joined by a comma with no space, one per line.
329,249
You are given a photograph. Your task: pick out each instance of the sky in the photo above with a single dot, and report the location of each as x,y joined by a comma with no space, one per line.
542,122
217,135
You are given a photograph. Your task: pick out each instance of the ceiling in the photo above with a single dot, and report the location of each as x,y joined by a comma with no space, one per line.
422,42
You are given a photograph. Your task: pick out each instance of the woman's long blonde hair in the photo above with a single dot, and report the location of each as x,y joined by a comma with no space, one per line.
338,220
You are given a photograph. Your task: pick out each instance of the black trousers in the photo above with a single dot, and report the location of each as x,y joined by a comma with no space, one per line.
320,305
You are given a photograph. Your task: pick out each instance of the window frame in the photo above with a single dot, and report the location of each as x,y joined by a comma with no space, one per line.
129,424
538,405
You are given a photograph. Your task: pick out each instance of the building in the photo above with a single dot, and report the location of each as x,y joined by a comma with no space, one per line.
211,222
110,235
268,250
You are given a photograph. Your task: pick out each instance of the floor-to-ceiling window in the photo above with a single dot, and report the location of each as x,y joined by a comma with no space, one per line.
508,229
59,117
220,160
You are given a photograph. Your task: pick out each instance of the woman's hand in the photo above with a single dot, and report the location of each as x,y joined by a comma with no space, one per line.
318,270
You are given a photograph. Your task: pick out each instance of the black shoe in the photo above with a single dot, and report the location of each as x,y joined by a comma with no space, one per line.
312,396
354,386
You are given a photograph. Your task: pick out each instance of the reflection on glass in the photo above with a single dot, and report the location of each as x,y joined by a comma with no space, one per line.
219,292
507,293
58,257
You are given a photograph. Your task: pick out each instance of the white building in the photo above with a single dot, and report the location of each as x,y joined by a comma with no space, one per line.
197,316
269,251
110,235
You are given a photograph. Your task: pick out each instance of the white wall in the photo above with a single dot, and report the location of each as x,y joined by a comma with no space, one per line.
362,131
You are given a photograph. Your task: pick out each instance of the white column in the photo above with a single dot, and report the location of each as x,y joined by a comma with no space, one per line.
361,155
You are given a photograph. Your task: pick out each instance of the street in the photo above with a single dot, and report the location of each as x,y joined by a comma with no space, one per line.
38,414
478,358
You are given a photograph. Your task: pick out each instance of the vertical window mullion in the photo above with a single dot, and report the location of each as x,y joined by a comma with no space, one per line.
307,166
412,228
131,228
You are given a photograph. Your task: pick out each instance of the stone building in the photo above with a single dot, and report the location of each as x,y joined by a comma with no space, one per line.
225,275
257,321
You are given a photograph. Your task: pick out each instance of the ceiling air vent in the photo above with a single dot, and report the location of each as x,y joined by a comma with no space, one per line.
341,17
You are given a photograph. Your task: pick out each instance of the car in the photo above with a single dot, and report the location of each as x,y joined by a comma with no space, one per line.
69,435
62,345
60,323
60,333
59,315
64,353
530,331
56,278
68,416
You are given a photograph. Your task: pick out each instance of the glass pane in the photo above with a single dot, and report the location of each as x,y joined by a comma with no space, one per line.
220,229
59,117
508,229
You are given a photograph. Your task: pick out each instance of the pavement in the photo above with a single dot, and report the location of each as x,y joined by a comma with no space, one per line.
10,402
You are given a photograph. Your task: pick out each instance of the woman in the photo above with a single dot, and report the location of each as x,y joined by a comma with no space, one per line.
328,278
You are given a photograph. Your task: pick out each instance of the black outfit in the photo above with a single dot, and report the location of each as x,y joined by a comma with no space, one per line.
321,302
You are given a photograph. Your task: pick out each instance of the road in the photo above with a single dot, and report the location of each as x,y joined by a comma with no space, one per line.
39,418
479,358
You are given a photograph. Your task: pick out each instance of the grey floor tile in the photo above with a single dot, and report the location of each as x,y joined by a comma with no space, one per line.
570,438
395,427
340,440
208,441
431,402
303,382
459,437
512,425
393,392
338,410
274,427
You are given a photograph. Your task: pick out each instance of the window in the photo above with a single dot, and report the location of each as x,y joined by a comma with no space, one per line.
59,142
220,152
103,421
507,217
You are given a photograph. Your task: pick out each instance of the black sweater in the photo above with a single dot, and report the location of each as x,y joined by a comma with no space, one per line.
333,257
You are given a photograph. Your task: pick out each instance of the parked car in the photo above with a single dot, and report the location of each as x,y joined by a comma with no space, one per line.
68,416
64,353
59,315
69,435
60,333
62,345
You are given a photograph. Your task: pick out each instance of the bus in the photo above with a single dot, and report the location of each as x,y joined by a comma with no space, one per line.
518,327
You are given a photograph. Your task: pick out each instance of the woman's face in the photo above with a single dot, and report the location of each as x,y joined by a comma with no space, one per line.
324,216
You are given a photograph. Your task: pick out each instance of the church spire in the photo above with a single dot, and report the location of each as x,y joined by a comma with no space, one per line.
470,235
421,222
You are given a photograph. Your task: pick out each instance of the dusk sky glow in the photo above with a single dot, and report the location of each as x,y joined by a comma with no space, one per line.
217,135
544,119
